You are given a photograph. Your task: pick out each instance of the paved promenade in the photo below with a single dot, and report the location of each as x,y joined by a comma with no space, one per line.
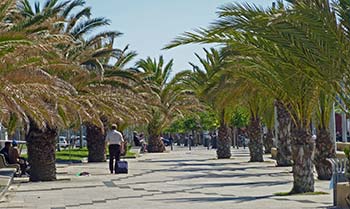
179,179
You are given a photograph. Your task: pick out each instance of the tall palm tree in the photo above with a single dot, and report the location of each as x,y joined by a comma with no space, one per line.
199,81
284,152
231,90
43,123
167,98
115,105
269,122
37,99
91,52
327,44
325,147
52,77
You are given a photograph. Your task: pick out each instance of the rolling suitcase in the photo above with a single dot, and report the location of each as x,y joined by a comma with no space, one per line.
122,167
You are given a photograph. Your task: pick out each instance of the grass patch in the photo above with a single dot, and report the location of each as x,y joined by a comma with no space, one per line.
308,193
72,155
80,154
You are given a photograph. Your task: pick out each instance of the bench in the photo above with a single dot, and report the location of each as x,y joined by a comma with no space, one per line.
136,150
4,164
338,174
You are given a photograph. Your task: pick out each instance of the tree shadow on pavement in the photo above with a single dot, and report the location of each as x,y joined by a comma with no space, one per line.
233,175
245,184
217,199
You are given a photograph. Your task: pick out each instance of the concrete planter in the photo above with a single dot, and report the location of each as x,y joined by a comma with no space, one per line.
343,195
342,145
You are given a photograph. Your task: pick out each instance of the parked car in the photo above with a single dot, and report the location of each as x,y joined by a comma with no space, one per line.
62,142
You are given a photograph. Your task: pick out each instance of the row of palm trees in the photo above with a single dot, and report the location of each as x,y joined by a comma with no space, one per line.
290,57
57,71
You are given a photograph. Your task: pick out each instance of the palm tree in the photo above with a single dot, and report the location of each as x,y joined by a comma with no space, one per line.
284,152
43,127
324,144
41,102
26,87
115,98
200,80
231,90
269,122
47,84
91,52
167,98
327,38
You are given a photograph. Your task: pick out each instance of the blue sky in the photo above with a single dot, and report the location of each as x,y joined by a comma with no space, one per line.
148,25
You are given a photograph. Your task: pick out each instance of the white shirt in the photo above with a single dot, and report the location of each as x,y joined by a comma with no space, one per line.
114,137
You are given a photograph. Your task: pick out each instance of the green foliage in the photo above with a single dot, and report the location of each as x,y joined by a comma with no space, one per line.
347,154
12,123
190,123
204,120
156,123
183,125
72,155
208,121
240,118
176,127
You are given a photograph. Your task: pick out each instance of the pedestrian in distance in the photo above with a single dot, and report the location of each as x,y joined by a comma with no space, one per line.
136,139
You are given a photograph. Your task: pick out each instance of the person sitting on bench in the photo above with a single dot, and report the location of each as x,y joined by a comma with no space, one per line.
136,139
14,157
5,151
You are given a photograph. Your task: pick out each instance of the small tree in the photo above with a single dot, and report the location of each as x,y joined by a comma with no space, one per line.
240,118
208,121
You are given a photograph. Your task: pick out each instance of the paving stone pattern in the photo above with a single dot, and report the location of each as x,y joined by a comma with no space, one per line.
179,179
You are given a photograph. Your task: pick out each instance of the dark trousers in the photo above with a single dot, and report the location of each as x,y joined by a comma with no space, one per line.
23,164
114,154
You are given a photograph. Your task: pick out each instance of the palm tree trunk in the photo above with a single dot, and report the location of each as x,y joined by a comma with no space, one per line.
255,140
223,143
302,151
95,143
268,141
324,149
41,146
155,144
284,152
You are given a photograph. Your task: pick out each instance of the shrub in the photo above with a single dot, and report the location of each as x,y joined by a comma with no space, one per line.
347,154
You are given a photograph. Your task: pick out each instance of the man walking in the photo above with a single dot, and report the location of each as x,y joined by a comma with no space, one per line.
115,140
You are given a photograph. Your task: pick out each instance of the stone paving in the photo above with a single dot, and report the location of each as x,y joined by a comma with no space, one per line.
179,179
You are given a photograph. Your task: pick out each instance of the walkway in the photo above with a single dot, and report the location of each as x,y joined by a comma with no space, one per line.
179,179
